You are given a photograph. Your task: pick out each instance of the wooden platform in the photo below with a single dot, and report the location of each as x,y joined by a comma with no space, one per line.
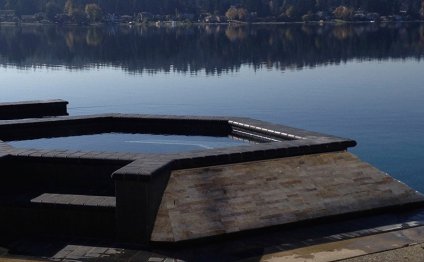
216,200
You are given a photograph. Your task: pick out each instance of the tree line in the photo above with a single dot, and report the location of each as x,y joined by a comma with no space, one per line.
284,10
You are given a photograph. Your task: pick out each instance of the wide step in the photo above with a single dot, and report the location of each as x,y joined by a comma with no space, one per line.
61,215
75,200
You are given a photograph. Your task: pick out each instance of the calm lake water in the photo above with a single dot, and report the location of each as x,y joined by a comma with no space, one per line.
364,82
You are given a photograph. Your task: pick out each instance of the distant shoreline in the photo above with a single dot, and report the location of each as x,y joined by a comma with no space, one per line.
175,24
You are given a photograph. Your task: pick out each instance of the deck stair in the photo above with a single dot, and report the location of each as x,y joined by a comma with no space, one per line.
59,201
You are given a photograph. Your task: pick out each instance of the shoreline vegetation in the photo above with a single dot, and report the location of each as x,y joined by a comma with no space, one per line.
179,24
182,12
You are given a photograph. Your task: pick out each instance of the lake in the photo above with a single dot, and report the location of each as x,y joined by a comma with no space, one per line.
361,81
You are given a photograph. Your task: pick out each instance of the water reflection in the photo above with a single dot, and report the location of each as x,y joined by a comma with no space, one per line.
213,49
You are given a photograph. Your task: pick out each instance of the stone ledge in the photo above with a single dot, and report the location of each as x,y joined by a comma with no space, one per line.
142,170
223,199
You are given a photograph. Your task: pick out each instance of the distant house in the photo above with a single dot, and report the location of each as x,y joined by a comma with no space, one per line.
126,18
321,15
144,17
186,16
4,13
202,16
359,16
28,18
110,18
373,16
222,19
397,18
215,19
7,15
62,18
159,17
211,19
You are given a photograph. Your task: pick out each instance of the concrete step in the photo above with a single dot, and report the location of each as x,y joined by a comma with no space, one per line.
53,214
67,200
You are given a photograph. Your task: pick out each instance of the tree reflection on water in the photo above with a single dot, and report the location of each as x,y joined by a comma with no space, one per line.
214,49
